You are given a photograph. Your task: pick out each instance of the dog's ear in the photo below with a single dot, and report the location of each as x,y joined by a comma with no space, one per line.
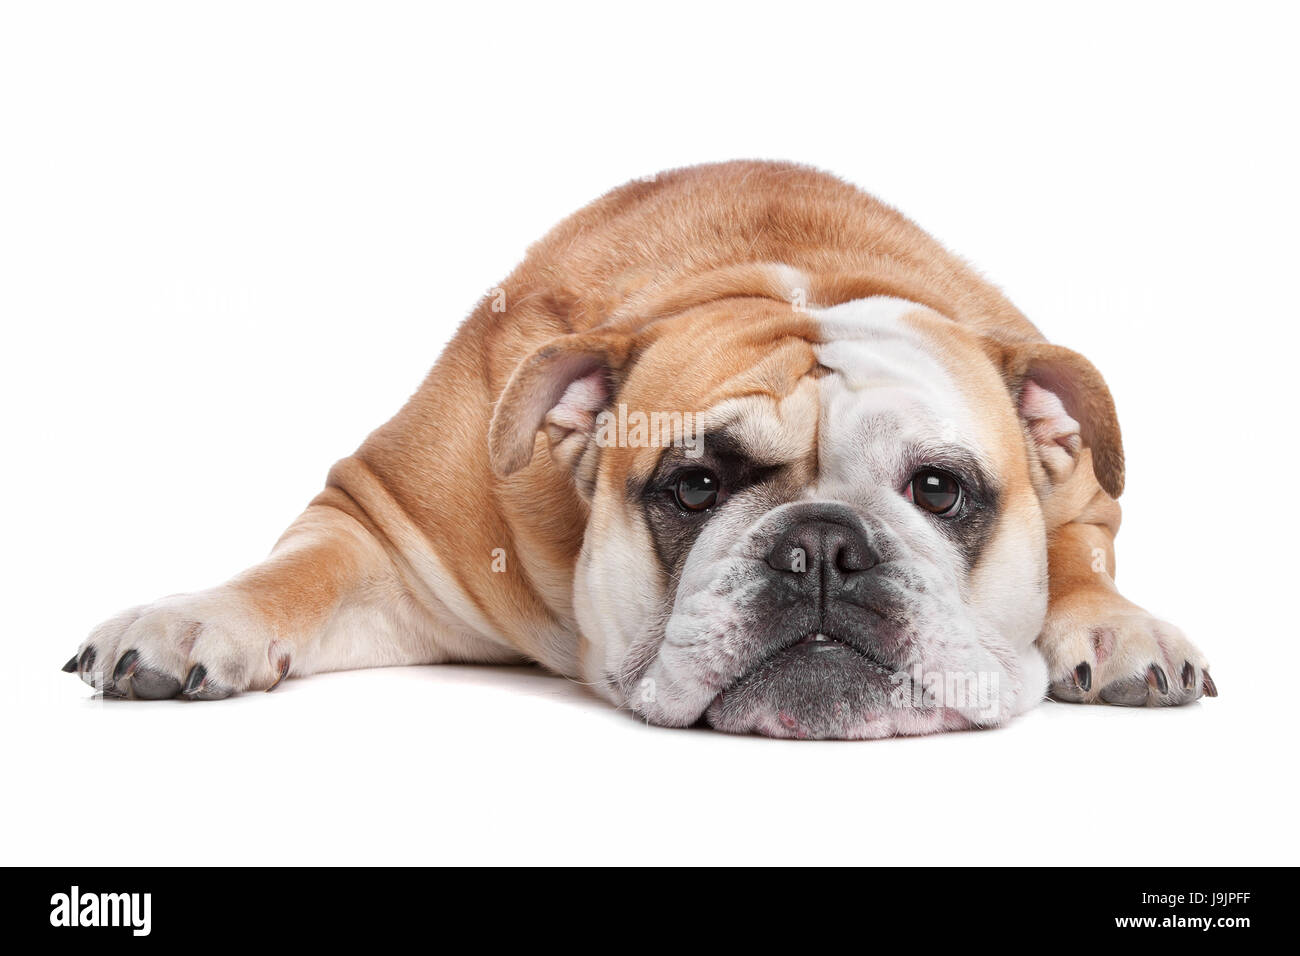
1066,407
559,389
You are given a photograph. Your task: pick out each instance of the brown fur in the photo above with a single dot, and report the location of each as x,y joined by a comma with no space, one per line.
705,263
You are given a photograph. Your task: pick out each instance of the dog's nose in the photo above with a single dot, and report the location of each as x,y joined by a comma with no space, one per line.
828,557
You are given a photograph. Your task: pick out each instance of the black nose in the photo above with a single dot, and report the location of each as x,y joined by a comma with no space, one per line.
822,557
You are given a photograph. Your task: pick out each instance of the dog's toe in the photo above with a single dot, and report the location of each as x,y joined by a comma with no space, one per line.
149,684
1126,692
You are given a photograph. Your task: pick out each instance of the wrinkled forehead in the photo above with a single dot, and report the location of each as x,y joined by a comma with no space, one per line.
890,385
824,387
744,375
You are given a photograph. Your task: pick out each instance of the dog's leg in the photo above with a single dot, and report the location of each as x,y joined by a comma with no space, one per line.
1099,646
333,595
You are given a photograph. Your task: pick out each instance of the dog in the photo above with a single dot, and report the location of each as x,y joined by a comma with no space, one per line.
735,445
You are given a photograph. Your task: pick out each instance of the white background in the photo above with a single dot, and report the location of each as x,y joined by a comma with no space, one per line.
233,238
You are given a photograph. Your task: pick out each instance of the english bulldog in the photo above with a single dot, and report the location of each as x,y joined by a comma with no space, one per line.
735,445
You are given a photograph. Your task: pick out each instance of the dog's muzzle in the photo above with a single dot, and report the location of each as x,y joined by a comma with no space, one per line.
822,585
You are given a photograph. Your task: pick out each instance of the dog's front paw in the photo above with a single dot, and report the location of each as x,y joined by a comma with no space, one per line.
199,646
1101,649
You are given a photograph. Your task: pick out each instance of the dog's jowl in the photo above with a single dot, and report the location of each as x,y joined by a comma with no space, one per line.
738,443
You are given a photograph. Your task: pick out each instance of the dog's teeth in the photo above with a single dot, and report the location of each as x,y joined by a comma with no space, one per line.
819,637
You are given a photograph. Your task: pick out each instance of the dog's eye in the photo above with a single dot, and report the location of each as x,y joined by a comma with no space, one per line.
935,491
697,489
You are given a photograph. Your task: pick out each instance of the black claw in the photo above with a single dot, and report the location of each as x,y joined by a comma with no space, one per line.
194,679
1083,676
1156,677
126,665
1189,676
1207,682
71,666
87,659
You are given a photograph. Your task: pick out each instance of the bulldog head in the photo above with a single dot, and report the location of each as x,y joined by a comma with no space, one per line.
819,523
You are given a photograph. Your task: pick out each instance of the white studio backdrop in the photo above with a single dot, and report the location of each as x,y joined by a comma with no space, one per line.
233,238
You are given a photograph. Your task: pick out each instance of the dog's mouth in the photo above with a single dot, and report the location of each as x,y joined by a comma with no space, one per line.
818,684
824,649
820,638
824,642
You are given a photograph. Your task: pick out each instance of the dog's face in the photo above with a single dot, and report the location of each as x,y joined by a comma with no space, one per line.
837,530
